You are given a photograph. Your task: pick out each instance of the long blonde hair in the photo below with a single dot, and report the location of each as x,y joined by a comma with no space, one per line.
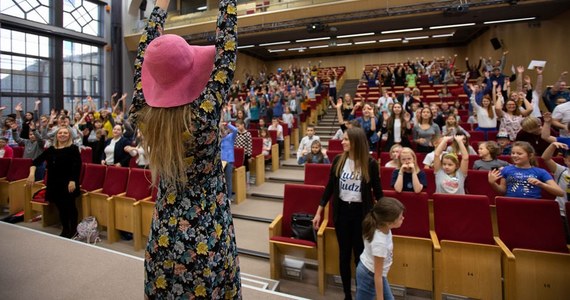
407,150
359,150
167,135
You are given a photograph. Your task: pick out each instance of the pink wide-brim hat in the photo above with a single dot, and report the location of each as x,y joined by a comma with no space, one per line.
175,73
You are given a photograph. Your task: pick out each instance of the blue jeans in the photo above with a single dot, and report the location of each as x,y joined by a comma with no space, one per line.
229,172
365,288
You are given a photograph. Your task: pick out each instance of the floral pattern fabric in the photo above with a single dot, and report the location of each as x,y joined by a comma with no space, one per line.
191,252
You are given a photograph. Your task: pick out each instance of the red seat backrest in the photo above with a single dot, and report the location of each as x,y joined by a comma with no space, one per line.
139,184
115,180
285,129
256,146
254,132
472,159
335,145
299,198
19,169
530,224
384,158
93,177
273,135
416,222
386,178
4,166
317,174
239,156
476,183
87,155
18,151
333,154
430,176
133,162
465,218
476,135
492,135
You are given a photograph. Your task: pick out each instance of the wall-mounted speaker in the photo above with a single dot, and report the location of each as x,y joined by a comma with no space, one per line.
496,43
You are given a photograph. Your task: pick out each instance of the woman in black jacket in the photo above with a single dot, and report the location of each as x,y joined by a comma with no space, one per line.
114,153
64,166
354,184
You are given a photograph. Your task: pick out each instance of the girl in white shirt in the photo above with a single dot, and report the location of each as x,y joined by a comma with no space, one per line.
376,259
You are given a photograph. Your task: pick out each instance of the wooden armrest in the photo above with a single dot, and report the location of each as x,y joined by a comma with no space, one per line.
322,228
121,194
95,191
504,248
435,240
275,226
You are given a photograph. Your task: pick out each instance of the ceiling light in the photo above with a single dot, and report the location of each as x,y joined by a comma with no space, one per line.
389,40
276,50
509,20
402,30
405,41
355,35
417,38
365,42
452,26
443,35
297,49
275,43
317,47
245,46
314,39
344,44
202,8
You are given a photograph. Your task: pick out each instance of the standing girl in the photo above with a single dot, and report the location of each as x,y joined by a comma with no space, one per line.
368,122
486,117
64,166
450,174
353,183
424,131
523,179
512,117
376,259
398,126
452,128
408,177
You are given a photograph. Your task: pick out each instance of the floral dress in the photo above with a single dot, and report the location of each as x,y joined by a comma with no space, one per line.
191,252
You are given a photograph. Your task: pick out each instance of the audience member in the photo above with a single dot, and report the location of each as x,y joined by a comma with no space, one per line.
114,152
408,177
450,173
488,153
354,182
523,179
562,176
317,155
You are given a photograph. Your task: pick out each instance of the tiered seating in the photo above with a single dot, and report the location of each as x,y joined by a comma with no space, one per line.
125,209
274,155
536,259
95,203
466,260
12,186
257,164
413,258
45,209
297,199
239,184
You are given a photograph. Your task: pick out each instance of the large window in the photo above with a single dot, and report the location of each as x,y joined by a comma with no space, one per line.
32,10
82,16
24,68
81,73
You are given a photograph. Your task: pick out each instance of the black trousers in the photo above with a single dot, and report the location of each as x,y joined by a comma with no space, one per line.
67,215
348,229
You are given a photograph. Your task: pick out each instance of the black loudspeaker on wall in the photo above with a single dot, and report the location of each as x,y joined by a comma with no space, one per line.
496,43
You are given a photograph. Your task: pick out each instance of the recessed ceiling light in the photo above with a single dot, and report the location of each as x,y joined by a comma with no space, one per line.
452,26
402,30
319,46
443,35
365,42
276,50
355,35
202,8
297,49
417,37
275,43
314,39
245,46
509,20
343,44
389,40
